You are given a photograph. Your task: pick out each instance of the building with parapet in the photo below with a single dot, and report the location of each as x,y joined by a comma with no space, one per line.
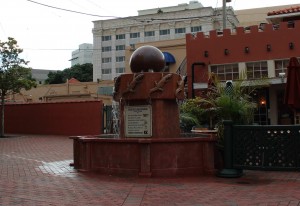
258,52
72,90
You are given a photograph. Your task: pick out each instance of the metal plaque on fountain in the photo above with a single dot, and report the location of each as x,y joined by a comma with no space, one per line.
138,121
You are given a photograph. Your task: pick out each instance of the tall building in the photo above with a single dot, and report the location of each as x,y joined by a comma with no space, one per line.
112,37
82,55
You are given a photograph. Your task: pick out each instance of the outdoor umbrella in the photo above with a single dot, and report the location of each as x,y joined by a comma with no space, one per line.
292,89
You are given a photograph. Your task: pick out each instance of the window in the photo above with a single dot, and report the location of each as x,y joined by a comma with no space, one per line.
164,32
108,90
134,35
106,38
196,29
120,69
280,66
106,71
226,72
106,60
106,48
132,46
120,36
120,59
257,70
179,30
120,47
149,33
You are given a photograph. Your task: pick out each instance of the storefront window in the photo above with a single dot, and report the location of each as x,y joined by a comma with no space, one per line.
280,66
226,72
257,70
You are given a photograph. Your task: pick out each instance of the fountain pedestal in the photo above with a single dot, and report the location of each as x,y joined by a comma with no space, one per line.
158,91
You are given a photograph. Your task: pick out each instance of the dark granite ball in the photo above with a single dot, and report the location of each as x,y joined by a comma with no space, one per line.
146,59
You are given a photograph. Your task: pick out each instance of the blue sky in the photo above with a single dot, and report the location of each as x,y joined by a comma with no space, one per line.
48,36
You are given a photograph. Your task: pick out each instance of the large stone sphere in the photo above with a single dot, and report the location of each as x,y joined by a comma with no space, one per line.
146,59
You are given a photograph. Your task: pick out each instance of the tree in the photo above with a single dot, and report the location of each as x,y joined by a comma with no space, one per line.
83,73
191,114
55,78
14,75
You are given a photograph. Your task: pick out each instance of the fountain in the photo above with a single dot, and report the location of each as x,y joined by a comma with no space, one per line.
149,142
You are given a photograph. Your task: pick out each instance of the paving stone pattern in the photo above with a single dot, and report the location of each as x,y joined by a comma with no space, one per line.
34,170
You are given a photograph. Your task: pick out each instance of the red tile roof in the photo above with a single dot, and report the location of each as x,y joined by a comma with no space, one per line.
290,10
73,80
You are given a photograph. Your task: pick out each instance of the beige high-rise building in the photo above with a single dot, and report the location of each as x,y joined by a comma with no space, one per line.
112,37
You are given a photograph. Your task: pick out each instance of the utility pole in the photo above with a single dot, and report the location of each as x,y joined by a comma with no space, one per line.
224,13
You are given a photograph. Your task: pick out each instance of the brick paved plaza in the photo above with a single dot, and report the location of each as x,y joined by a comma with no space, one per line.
34,170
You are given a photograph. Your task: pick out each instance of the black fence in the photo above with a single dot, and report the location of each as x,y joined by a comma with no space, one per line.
270,147
260,147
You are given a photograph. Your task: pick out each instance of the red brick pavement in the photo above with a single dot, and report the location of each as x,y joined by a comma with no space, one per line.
34,170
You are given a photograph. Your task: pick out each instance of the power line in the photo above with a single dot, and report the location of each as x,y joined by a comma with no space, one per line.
48,49
146,20
167,19
78,12
179,18
45,49
99,6
41,49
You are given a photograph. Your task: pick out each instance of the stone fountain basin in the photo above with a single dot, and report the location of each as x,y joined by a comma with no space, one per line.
188,155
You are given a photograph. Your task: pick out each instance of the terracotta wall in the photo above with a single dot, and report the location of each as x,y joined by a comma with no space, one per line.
152,157
255,39
61,118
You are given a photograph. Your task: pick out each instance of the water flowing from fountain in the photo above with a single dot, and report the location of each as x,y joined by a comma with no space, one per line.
115,119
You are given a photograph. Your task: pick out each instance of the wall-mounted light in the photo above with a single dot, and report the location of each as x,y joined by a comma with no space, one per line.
291,45
247,49
206,53
269,47
282,75
262,102
226,51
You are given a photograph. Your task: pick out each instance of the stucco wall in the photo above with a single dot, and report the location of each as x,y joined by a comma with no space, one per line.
61,118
